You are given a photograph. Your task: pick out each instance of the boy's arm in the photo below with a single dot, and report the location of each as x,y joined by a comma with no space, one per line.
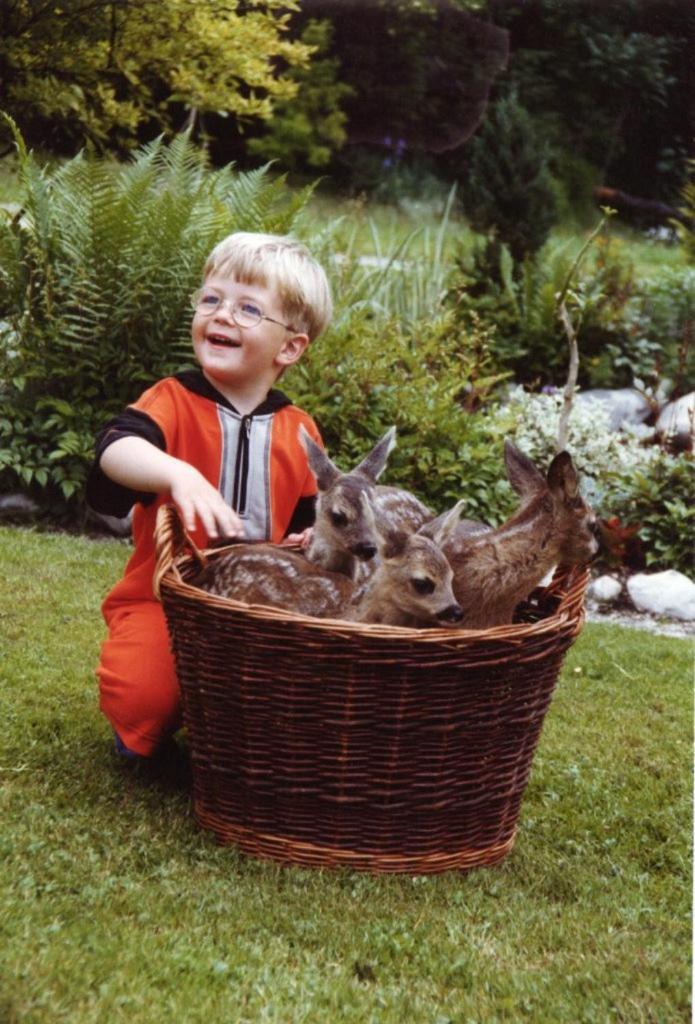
135,463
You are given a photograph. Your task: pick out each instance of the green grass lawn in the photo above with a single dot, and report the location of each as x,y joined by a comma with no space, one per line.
115,907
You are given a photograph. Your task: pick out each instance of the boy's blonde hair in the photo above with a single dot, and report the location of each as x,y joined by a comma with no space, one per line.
281,264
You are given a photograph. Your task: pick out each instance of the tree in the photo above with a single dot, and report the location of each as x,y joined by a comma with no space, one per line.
110,71
508,187
420,70
610,82
307,128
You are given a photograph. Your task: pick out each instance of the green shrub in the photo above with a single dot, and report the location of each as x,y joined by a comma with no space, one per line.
628,329
574,179
661,326
660,502
426,378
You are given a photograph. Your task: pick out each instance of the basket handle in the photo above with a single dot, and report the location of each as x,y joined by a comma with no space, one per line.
171,540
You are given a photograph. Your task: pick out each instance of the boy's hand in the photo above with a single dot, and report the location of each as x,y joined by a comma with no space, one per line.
198,499
302,538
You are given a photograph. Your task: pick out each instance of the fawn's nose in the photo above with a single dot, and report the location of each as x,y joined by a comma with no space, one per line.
452,613
364,551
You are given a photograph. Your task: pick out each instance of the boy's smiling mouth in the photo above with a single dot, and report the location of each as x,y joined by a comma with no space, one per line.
223,341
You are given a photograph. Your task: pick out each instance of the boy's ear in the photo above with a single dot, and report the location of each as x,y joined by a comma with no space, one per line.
292,349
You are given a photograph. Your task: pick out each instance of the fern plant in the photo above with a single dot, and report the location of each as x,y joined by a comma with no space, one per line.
95,274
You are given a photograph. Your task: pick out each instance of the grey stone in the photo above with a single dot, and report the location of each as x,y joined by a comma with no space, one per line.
119,527
625,406
13,506
667,593
605,589
676,422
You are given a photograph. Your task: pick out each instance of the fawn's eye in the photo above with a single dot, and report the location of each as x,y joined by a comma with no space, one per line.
422,585
339,519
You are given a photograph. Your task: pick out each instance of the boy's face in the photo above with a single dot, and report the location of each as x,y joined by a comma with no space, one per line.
236,358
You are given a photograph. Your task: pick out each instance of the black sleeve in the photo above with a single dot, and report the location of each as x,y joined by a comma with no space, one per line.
303,515
105,495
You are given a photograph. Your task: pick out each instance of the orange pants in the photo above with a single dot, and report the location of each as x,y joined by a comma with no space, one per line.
137,677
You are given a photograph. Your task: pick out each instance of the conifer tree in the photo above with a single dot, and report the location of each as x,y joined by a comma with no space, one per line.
508,189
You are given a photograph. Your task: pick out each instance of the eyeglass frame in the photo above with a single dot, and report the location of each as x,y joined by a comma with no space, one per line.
233,305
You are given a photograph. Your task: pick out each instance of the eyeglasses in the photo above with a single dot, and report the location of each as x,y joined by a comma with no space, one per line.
207,301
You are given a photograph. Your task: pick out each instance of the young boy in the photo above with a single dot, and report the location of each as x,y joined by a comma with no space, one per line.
221,443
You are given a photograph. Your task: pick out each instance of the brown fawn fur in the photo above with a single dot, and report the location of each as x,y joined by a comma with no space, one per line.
411,586
496,570
271,575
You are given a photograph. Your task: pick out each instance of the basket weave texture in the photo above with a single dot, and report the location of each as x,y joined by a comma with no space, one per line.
325,743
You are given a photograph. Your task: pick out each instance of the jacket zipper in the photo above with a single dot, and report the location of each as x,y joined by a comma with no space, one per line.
241,469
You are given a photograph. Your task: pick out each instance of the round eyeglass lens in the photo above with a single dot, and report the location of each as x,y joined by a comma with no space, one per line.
206,301
246,315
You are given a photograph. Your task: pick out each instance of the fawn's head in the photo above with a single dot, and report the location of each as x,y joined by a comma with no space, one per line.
414,575
340,520
562,513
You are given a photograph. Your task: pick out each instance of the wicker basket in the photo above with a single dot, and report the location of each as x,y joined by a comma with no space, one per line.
325,743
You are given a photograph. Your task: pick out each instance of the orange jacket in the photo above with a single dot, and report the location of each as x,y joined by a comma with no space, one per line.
256,462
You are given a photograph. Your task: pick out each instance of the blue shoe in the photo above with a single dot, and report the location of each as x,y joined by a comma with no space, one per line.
123,750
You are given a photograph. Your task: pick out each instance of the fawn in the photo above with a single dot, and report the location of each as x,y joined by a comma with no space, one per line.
412,584
497,569
341,537
318,581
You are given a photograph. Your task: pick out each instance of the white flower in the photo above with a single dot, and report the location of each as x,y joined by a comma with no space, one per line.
597,452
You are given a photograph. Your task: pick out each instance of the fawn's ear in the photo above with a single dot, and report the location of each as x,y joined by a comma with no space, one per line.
324,470
390,543
448,524
522,474
562,477
373,465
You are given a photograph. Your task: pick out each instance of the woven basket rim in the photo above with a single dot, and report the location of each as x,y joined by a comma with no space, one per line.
515,632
